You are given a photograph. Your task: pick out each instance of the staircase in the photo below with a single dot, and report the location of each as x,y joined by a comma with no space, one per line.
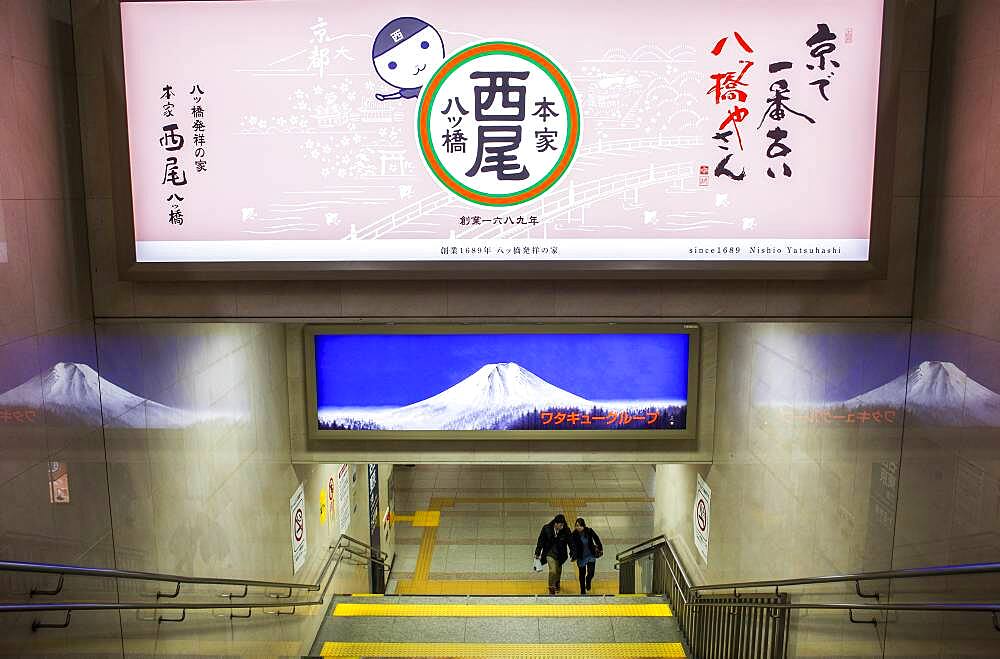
469,626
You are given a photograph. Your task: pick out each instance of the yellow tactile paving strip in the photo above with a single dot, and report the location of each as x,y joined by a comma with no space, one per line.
503,610
448,502
534,650
425,554
496,587
429,520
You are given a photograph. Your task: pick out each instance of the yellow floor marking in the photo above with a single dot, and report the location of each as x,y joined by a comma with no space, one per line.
534,650
568,508
427,518
430,519
425,554
498,587
402,518
449,502
503,610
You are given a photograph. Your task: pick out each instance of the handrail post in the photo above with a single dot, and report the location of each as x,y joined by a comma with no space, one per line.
873,621
54,591
279,612
181,619
857,589
234,596
176,592
38,624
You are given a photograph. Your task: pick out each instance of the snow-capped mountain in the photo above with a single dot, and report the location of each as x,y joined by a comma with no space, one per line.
485,400
76,392
936,392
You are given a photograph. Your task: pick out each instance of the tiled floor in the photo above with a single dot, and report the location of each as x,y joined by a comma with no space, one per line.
489,518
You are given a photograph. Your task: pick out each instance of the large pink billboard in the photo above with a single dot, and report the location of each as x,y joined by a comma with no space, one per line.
310,130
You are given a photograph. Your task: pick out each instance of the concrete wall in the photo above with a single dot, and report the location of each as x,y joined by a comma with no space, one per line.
45,319
795,493
101,101
202,485
178,460
949,489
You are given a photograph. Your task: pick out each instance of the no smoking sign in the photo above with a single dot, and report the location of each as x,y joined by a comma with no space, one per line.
702,516
297,513
300,528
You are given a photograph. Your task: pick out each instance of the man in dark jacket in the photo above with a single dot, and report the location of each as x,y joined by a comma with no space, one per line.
552,547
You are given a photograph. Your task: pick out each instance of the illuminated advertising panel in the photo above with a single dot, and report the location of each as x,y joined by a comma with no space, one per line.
394,381
304,131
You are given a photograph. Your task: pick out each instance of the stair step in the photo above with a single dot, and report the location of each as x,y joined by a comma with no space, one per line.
501,610
534,650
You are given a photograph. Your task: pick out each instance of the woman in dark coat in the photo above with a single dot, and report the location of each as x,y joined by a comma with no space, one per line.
585,548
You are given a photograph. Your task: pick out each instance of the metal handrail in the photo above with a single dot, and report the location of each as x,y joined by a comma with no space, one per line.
910,573
132,575
906,573
323,581
638,551
986,607
367,557
651,541
371,550
708,596
133,606
76,570
684,588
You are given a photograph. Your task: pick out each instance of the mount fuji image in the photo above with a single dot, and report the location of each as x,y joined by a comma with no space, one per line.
478,381
938,393
75,392
498,396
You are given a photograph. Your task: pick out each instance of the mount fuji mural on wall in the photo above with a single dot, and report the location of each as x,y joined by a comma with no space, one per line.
470,382
936,393
75,393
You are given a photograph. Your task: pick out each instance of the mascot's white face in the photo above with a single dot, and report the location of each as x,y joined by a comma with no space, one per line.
412,62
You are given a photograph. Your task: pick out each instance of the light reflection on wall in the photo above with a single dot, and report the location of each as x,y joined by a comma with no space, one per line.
936,393
71,392
859,379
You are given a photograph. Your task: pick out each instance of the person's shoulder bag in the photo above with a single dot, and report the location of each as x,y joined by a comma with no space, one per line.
598,549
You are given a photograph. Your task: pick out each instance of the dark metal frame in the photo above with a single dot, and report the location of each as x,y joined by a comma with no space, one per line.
318,439
875,267
717,621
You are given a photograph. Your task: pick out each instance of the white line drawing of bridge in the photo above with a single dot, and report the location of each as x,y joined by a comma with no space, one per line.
626,185
404,215
439,200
